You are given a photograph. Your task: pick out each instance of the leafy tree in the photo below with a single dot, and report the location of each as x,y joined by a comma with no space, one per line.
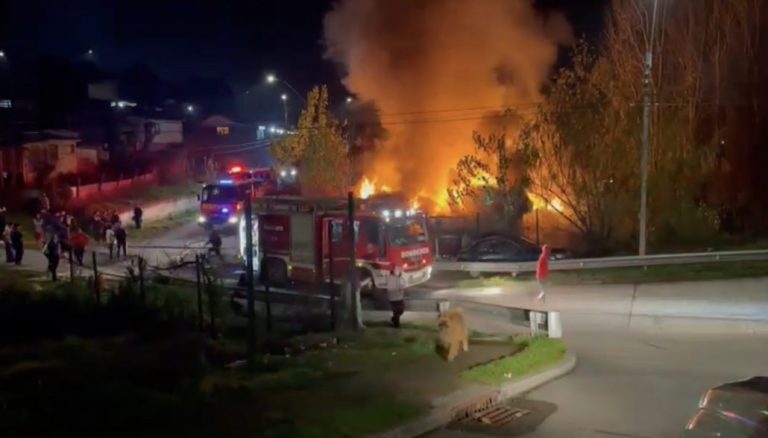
318,148
492,177
586,137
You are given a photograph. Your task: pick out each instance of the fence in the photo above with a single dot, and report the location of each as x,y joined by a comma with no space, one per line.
85,191
299,311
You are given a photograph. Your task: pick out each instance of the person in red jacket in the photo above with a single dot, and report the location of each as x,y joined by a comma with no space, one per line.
79,241
542,270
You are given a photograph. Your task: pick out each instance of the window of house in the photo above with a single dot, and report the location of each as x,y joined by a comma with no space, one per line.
222,130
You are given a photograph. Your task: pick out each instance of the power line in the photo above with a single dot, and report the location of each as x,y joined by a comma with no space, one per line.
479,108
233,151
229,146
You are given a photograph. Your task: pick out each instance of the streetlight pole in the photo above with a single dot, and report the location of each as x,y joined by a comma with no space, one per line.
645,151
284,98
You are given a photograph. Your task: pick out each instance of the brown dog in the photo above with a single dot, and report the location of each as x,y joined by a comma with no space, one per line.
453,334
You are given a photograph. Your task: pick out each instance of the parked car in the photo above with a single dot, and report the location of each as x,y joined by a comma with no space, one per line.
736,409
506,249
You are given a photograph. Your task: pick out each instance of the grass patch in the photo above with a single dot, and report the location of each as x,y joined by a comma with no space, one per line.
127,199
634,275
537,353
158,227
79,360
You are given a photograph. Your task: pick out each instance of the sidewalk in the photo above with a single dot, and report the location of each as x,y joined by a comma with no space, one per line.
34,260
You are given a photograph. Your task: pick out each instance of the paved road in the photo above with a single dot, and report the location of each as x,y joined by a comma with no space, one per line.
639,375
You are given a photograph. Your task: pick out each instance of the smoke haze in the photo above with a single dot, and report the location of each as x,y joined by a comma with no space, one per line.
437,70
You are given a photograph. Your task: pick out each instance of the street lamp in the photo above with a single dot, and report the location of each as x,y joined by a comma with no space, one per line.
271,78
646,136
2,54
349,99
190,108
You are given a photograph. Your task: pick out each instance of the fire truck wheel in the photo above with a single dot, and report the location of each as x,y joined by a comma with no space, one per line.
276,270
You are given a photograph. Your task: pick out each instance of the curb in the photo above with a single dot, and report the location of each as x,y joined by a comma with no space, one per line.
447,409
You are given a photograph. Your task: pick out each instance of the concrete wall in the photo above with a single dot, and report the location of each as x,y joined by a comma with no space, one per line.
162,209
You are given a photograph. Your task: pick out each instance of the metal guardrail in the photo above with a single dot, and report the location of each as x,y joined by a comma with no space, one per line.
605,262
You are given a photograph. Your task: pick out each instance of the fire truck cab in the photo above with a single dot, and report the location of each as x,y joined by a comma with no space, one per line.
307,240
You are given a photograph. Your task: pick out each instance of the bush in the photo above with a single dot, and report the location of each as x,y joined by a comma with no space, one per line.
686,225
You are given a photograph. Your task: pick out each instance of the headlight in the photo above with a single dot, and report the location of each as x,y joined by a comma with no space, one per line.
201,219
233,219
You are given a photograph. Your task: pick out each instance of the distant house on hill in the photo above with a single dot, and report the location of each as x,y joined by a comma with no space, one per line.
226,141
33,156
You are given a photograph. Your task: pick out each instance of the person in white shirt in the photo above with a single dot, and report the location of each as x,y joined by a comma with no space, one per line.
110,239
396,294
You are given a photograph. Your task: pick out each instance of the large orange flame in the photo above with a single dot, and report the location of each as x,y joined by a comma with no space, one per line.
367,188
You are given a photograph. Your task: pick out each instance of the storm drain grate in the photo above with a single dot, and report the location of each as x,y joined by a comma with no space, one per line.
498,416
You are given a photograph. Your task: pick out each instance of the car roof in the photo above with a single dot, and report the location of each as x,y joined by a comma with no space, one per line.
517,240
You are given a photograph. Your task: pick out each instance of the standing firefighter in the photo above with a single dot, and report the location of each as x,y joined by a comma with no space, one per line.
395,294
214,239
542,271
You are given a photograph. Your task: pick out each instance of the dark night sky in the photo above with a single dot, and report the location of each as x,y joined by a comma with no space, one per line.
238,40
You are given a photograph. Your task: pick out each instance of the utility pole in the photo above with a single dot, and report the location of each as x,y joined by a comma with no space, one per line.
645,152
331,285
251,312
354,288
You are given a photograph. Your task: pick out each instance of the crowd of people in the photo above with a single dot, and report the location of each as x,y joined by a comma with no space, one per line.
58,233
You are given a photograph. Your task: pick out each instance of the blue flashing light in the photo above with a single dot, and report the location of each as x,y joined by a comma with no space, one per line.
225,181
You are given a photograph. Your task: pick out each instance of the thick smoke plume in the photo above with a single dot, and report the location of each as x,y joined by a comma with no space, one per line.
437,70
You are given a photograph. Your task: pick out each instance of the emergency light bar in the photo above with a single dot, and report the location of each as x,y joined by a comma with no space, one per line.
225,181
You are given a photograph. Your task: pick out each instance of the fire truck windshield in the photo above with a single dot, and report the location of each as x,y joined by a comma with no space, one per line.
220,194
407,231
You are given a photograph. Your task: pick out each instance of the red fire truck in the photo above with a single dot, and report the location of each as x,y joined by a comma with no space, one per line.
296,238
